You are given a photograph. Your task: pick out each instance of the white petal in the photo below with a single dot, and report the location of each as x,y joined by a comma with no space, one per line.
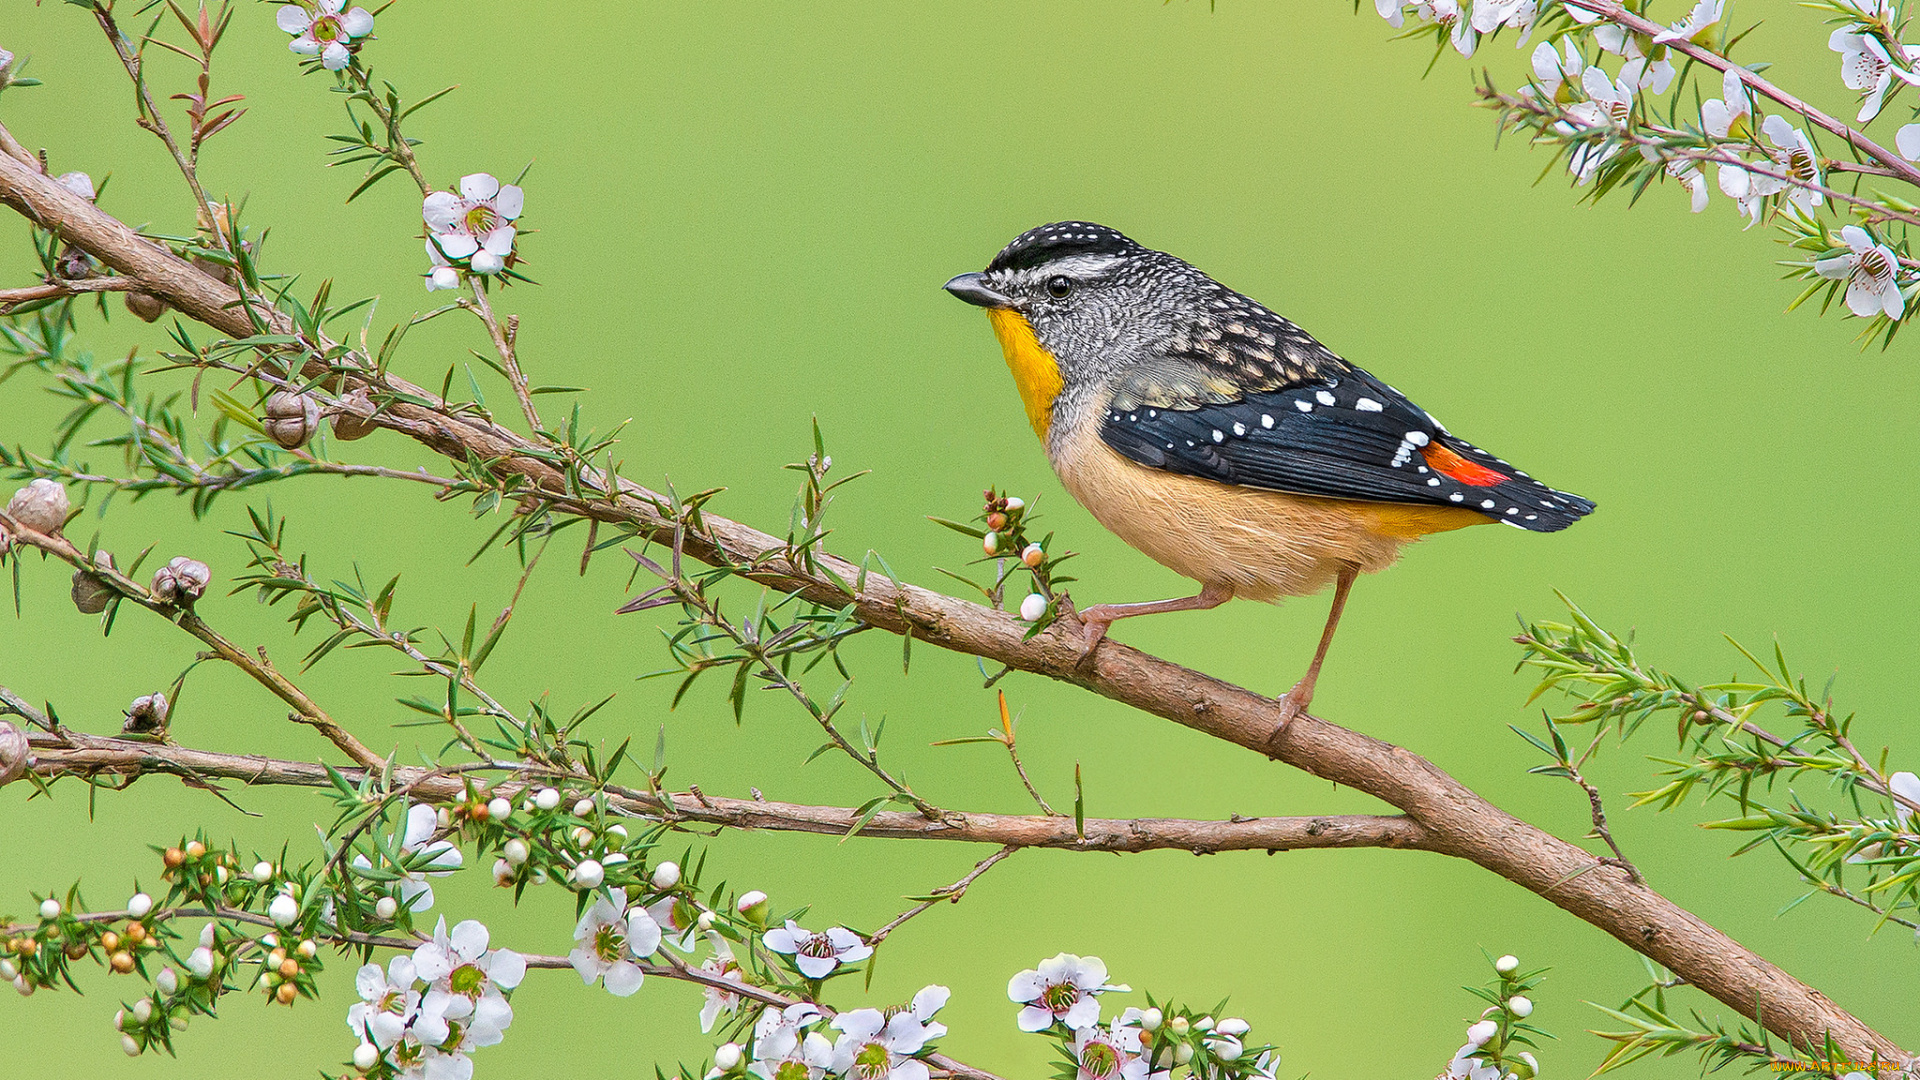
304,45
910,1069
587,964
643,934
1028,984
469,939
498,241
1837,267
456,245
931,999
335,56
862,1024
1034,1018
293,19
1862,299
357,22
371,982
477,186
1715,117
624,978
510,201
507,969
1856,238
331,7
421,820
815,967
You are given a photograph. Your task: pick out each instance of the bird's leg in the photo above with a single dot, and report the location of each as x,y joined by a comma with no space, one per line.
1096,619
1301,695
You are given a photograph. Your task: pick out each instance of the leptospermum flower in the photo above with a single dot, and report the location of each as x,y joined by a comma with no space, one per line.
468,979
1609,105
1641,71
720,965
608,940
679,920
1866,66
438,858
475,227
388,1002
1520,15
1558,77
325,31
1704,17
784,1050
1872,274
1448,13
1109,1054
816,955
874,1047
1797,159
1729,116
1062,989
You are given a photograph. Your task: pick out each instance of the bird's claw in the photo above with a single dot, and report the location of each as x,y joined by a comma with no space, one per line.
1092,632
1292,705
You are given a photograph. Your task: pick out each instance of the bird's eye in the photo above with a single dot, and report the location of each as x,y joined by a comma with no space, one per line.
1058,286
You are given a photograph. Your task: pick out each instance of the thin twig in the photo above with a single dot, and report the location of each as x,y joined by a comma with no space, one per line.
505,343
151,120
949,893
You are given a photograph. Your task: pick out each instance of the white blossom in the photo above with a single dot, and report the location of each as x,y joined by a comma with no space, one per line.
1557,76
1871,272
1448,13
1798,160
1466,1065
1392,11
816,955
784,1050
878,1048
720,965
1866,66
1520,15
1061,989
1609,105
476,226
608,940
1729,116
325,32
388,1002
1641,71
1111,1054
463,964
679,920
432,858
1704,17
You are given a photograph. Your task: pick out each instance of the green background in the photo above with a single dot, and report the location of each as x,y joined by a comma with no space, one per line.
744,212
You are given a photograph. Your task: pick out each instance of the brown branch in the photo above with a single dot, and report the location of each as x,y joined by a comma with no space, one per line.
1452,819
61,287
306,711
89,756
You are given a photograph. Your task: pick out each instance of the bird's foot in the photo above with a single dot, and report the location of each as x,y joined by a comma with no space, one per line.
1293,704
1094,624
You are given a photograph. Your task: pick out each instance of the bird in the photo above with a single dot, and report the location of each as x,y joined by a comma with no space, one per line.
1222,440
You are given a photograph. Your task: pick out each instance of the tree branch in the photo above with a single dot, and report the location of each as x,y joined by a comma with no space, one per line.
1453,819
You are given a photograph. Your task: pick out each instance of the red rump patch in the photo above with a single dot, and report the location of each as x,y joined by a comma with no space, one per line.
1448,463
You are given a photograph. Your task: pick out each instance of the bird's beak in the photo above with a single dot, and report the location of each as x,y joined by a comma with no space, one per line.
974,290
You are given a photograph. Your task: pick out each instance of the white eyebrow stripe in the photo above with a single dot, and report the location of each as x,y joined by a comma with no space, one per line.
1074,265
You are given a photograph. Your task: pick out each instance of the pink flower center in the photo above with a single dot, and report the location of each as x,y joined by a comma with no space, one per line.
1057,998
1873,265
479,219
819,946
327,28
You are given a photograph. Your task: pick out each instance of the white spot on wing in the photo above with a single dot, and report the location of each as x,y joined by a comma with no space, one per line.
1367,404
1324,397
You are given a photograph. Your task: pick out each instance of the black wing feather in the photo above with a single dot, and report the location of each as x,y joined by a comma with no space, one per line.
1344,437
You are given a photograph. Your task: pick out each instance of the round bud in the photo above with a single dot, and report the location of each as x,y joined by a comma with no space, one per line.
546,798
121,962
727,1057
996,521
666,875
705,921
139,905
1033,555
145,307
1482,1033
499,809
583,808
386,908
589,874
990,543
581,836
76,950
286,993
351,425
131,1045
26,946
289,968
195,849
1179,1025
614,858
49,908
137,933
16,753
1520,1005
1528,1067
1182,1053
200,963
274,957
366,1056
41,506
515,851
265,982
91,594
617,831
1033,607
271,941
110,941
120,1019
21,984
1234,1026
752,904
1507,965
502,872
284,909
167,981
221,874
1015,504
1151,1020
181,581
9,970
291,418
262,872
307,949
173,857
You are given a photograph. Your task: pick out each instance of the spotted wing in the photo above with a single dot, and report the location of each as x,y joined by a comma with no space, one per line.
1345,436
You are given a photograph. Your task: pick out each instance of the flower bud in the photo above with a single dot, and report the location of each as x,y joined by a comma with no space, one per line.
589,874
41,506
200,963
181,581
291,418
1482,1033
583,808
1151,1020
502,872
49,908
1507,965
617,831
615,858
21,984
206,936
139,905
131,1045
1233,1025
262,872
443,277
1015,504
1182,1053
727,1057
366,1056
143,1010
499,809
752,905
666,875
350,425
1530,1068
167,981
78,183
146,714
581,836
91,594
271,941
121,962
1179,1025
996,521
307,948
286,993
1033,555
1033,607
16,753
284,909
386,908
515,851
9,970
990,543
6,66
1520,1005
145,307
546,798
195,849
705,921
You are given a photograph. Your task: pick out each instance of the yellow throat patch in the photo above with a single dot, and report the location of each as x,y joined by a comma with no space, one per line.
1034,369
